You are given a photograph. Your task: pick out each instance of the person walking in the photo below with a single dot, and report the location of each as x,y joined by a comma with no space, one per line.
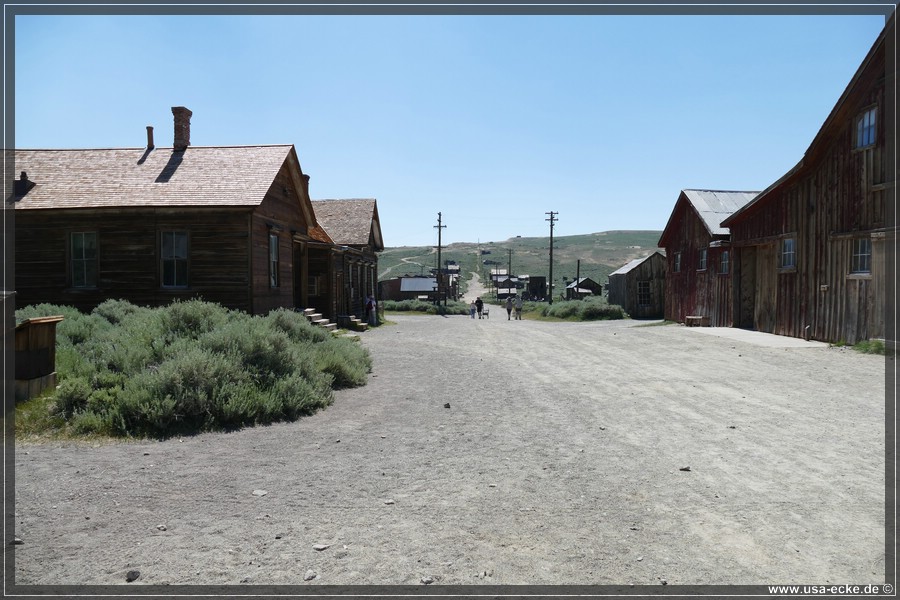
479,305
472,309
518,308
509,307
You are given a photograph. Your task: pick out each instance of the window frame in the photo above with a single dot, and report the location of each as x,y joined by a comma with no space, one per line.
784,252
702,259
855,256
87,285
644,293
865,128
184,261
274,260
725,262
676,260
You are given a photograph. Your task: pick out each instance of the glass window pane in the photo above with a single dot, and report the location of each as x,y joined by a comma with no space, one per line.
167,244
90,273
78,273
181,241
77,245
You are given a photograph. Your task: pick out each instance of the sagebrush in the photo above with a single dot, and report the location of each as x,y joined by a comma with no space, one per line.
192,366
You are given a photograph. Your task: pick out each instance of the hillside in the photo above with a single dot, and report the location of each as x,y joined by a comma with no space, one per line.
600,254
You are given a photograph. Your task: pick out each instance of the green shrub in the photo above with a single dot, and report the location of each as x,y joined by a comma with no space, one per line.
870,347
72,395
117,311
453,307
193,366
333,359
589,309
296,326
192,318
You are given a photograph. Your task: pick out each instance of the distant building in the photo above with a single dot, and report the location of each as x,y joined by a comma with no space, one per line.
408,288
583,287
639,287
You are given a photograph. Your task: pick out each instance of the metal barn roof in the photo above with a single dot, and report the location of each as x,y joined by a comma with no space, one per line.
714,206
418,284
633,264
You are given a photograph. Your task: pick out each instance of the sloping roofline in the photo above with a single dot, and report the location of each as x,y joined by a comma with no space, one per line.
821,135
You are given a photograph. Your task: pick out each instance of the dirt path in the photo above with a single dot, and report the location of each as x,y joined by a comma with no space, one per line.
558,461
476,288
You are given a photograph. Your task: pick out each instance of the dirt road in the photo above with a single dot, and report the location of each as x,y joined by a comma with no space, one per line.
562,458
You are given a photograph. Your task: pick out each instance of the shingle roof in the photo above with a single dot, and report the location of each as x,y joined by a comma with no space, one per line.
131,177
714,206
349,222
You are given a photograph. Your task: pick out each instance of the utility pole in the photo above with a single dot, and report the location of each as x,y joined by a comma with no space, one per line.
552,220
440,273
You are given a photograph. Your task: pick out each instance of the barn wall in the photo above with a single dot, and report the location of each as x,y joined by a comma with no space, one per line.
693,291
623,288
839,195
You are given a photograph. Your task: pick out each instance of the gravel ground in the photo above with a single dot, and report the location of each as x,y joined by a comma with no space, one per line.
497,452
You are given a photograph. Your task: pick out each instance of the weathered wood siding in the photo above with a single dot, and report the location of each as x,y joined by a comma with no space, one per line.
695,291
623,288
128,256
279,214
837,195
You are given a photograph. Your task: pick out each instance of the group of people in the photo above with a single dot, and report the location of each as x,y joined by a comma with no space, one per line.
512,302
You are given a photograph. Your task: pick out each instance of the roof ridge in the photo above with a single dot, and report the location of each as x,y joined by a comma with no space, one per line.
723,191
144,148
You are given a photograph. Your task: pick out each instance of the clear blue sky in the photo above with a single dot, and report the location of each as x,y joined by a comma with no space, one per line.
491,120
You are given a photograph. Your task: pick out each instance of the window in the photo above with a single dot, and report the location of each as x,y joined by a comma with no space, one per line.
865,129
677,262
701,265
84,259
643,293
313,285
861,261
724,262
273,260
174,259
787,257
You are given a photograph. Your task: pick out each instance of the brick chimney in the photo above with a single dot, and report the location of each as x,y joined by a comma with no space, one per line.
149,137
182,128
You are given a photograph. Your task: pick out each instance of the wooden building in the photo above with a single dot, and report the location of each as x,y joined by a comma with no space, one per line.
810,251
639,287
409,288
228,224
582,288
343,256
698,256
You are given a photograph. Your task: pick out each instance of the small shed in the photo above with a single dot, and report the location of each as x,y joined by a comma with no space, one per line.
35,356
583,287
639,287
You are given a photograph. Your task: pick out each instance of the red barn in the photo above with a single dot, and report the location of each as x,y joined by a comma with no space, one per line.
698,254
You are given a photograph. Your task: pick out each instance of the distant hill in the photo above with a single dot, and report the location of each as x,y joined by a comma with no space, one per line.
600,254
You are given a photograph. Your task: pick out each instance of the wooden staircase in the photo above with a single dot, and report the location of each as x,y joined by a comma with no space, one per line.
317,319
